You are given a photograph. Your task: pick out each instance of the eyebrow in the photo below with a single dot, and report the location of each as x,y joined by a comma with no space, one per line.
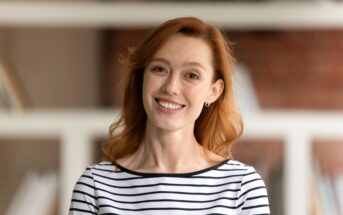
188,63
156,59
193,63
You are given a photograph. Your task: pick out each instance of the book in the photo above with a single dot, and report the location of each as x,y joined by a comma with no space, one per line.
338,187
326,201
12,94
316,204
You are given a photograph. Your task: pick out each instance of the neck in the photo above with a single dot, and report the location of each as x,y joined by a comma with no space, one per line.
169,151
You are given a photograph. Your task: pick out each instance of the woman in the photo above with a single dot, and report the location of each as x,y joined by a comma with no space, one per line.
170,151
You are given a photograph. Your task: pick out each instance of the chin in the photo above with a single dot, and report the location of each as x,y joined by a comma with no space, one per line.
167,127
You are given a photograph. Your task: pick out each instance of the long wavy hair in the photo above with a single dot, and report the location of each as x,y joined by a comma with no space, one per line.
218,126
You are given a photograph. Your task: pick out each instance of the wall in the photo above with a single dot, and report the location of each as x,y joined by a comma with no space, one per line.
294,69
59,68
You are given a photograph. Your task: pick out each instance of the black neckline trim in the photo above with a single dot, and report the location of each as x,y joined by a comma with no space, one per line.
187,174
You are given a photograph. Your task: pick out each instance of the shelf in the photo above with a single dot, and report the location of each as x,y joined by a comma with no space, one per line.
51,123
253,15
77,128
265,124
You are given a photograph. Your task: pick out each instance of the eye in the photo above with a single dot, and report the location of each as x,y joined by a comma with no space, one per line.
158,69
192,76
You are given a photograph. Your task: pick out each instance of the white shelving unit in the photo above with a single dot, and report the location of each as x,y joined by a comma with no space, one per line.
76,129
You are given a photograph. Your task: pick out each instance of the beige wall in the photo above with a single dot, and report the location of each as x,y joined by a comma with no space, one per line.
58,67
3,42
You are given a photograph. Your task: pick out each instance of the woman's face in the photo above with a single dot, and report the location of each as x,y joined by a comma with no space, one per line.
178,81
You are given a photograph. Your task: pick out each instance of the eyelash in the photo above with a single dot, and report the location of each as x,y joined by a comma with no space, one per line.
162,69
158,69
192,76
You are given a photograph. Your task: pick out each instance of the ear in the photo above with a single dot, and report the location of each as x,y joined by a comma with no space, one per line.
215,91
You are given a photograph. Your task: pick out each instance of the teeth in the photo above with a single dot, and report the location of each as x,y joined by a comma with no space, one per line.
170,105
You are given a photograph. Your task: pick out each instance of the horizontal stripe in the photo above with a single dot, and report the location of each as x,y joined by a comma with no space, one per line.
84,193
169,192
257,197
255,206
167,200
193,177
248,191
166,208
167,184
247,182
227,188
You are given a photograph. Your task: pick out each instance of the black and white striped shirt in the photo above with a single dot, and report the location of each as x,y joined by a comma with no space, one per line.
226,188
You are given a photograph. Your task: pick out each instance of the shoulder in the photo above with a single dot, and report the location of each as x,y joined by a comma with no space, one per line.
234,165
234,170
85,195
237,165
252,195
97,173
106,166
248,173
101,169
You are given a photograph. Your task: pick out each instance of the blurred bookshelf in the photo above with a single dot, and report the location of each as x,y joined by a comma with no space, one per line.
29,175
74,132
78,129
327,176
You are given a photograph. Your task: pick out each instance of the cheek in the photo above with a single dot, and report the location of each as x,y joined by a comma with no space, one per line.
147,85
199,93
146,91
150,83
197,97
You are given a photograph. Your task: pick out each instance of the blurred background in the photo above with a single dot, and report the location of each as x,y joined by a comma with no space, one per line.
61,86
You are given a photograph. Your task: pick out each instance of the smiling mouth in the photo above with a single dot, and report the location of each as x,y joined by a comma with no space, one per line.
169,105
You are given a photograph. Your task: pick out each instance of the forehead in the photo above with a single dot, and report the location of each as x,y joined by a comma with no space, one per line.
185,48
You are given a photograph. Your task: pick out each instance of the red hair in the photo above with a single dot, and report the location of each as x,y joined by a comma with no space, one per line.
218,126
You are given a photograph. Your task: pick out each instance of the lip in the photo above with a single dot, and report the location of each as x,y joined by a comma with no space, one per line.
167,110
169,101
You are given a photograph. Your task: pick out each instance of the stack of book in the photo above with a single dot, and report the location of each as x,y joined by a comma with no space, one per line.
36,195
327,193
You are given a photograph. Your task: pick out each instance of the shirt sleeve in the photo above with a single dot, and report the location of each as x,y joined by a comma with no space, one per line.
84,197
253,198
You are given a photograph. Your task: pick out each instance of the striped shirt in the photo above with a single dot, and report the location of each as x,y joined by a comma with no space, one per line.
226,188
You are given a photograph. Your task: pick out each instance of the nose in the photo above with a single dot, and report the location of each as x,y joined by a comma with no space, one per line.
172,85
